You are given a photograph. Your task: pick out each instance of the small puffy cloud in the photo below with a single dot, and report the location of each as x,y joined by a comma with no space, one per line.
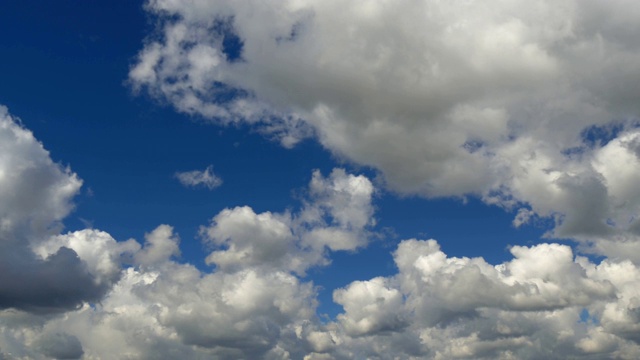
248,238
336,216
196,178
346,200
543,277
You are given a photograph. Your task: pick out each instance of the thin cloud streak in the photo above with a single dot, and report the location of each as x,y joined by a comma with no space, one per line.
199,178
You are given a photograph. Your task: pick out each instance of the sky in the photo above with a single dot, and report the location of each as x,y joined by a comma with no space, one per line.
313,179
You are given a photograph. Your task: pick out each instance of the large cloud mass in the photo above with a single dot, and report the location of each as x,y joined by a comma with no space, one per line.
511,101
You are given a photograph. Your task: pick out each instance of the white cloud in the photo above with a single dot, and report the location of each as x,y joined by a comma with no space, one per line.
171,310
43,272
336,216
444,98
459,308
197,178
102,255
36,193
370,307
252,306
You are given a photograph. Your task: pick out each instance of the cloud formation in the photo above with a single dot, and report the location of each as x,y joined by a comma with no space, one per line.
84,295
337,216
35,195
531,107
545,302
197,178
526,106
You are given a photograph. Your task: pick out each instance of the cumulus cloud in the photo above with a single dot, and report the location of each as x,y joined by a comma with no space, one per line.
41,273
545,302
197,178
36,193
370,307
508,102
336,216
83,294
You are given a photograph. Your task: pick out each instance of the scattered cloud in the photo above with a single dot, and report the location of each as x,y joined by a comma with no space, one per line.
455,98
196,178
84,294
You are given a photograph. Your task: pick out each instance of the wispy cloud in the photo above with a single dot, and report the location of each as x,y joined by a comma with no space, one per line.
198,178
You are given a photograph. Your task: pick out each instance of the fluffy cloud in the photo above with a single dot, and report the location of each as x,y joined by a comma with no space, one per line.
83,294
370,307
337,216
197,178
160,245
40,273
545,303
508,102
36,193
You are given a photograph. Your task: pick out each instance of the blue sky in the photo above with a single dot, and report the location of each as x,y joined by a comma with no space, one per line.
484,129
66,80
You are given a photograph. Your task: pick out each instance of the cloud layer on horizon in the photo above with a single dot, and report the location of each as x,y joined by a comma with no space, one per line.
128,300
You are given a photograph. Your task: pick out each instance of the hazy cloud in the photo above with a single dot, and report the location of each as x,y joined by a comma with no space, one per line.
197,178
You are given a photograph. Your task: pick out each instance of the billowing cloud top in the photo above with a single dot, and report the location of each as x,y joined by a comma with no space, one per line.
35,194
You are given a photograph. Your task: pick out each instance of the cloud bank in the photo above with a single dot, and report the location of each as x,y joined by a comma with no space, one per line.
84,295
